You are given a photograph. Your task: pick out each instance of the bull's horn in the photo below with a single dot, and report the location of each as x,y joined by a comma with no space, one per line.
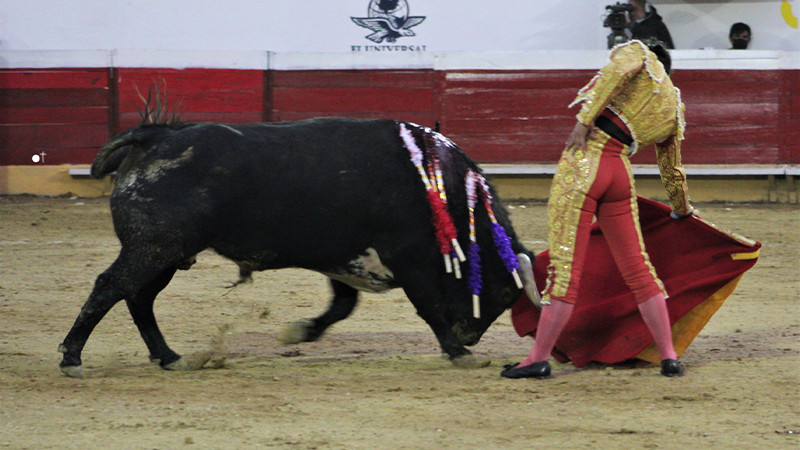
526,272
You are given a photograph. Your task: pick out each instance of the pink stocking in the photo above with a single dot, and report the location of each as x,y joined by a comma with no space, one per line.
552,321
655,315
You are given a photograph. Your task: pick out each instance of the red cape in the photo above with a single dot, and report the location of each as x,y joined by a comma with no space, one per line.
699,264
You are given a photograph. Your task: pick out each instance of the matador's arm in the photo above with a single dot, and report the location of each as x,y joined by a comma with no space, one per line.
673,175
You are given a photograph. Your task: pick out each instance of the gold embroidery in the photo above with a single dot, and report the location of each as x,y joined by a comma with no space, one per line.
626,62
636,87
574,177
668,155
637,226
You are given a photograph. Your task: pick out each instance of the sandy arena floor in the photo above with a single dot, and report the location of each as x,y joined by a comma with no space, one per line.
376,380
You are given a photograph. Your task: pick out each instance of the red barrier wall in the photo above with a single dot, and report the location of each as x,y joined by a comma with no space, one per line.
64,113
197,95
733,116
400,94
511,115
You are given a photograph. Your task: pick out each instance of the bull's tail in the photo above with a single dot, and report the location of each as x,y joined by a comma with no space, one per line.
119,147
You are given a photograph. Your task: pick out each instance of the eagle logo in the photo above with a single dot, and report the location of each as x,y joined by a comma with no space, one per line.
389,20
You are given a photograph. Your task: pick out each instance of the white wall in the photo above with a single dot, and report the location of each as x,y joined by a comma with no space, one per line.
250,33
325,25
287,25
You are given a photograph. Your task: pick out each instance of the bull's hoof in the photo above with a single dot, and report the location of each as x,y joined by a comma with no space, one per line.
296,333
470,361
72,371
178,364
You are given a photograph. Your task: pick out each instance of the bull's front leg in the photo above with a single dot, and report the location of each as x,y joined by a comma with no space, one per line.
448,340
342,304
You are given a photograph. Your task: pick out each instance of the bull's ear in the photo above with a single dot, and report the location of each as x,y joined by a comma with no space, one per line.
528,282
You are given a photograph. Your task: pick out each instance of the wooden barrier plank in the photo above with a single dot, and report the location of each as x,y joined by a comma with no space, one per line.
195,90
733,134
732,153
792,103
730,87
45,136
190,80
422,78
691,98
492,149
502,147
53,78
724,78
54,115
735,154
209,101
132,119
424,118
21,98
492,104
716,114
533,125
790,117
357,99
541,79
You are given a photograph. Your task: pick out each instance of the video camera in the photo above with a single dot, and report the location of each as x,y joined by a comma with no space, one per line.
617,21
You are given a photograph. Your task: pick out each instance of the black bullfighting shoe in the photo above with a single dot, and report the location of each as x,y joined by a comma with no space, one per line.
538,370
671,368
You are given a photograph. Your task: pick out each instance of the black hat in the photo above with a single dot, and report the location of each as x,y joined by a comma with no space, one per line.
660,49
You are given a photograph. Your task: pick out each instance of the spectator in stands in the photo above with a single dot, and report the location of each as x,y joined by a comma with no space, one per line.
739,36
630,103
646,23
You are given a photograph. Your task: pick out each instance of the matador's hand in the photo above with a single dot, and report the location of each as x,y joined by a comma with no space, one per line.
577,138
688,214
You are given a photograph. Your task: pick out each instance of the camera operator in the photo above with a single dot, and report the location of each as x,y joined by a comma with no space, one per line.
617,20
646,23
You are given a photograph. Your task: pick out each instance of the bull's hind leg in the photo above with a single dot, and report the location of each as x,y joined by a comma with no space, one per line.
105,294
122,279
344,301
141,309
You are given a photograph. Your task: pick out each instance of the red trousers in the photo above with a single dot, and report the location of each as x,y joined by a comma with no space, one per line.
596,183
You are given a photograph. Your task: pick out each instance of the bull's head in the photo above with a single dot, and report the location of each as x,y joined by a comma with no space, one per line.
467,190
499,292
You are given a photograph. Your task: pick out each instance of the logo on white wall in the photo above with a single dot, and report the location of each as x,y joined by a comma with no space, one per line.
388,20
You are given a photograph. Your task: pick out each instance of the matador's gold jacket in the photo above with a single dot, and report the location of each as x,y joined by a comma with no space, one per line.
635,87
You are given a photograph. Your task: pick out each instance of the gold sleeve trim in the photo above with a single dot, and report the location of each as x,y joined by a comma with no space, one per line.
673,175
637,226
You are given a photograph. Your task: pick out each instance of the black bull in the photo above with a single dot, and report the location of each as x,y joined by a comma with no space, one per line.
337,196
